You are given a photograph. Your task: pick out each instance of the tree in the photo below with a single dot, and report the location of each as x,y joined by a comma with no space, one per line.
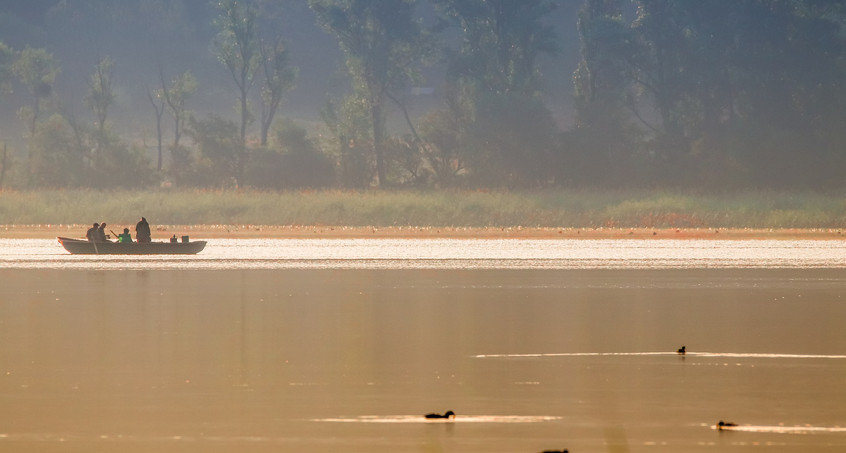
99,98
218,142
501,42
601,145
7,61
100,95
37,70
236,46
382,46
156,98
180,89
56,158
731,92
7,58
294,162
279,76
494,88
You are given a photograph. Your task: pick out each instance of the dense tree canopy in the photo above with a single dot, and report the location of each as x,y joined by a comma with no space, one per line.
431,93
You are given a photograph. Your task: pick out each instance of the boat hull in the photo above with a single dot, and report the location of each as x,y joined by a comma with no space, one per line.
82,247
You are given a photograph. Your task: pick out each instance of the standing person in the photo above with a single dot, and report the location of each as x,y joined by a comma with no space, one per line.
125,236
142,231
92,233
101,233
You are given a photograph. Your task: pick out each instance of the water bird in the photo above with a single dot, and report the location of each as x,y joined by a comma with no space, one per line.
682,350
448,414
556,451
723,424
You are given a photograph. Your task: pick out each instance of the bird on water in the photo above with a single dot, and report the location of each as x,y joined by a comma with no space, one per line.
556,451
448,414
682,350
723,424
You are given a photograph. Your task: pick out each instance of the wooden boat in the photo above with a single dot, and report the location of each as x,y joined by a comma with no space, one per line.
83,247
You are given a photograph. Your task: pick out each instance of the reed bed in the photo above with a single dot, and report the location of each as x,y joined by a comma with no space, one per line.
548,208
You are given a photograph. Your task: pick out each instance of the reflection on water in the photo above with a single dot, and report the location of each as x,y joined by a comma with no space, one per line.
785,429
457,419
446,254
189,355
744,355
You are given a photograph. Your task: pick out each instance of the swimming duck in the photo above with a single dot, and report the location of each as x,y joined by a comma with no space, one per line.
556,451
723,424
448,414
682,350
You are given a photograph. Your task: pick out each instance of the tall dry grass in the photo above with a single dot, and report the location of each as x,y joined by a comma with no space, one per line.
548,208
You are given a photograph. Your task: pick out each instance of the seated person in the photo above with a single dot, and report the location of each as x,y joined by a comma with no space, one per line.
125,236
91,234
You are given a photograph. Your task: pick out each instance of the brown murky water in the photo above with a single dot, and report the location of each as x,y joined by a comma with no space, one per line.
305,360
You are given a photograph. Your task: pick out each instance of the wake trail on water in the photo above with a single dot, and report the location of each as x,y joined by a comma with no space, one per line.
778,429
749,355
457,419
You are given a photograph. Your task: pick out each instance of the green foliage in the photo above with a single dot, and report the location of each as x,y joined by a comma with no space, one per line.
65,154
100,95
7,59
56,158
279,76
382,48
444,152
223,153
296,164
175,95
501,42
37,70
237,46
494,132
350,143
512,140
722,95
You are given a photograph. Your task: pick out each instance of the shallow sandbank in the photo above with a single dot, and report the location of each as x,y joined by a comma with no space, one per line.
161,232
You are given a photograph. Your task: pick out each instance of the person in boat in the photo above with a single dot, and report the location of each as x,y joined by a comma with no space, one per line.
142,231
125,237
92,233
101,233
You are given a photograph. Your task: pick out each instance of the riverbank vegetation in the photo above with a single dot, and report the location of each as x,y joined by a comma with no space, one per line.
670,94
544,208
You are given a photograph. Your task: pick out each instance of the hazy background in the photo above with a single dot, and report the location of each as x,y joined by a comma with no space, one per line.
614,92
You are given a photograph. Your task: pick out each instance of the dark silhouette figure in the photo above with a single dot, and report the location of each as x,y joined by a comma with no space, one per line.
101,233
721,425
448,414
556,451
142,231
682,350
91,234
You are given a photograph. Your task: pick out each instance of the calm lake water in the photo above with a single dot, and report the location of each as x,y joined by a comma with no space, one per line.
342,345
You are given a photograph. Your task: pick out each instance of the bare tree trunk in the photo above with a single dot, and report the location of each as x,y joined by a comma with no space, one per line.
3,164
159,112
378,139
244,116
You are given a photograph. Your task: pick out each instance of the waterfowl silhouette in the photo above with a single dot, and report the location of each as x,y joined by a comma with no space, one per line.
682,350
556,451
448,414
723,424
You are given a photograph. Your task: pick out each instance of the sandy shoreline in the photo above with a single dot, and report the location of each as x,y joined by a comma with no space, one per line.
162,232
